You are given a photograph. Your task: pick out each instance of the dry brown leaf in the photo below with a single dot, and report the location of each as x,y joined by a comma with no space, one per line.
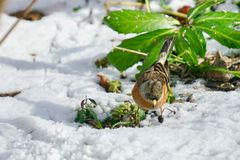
31,16
10,94
103,81
220,61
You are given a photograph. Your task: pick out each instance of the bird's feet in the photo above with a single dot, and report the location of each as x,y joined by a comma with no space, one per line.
172,111
160,119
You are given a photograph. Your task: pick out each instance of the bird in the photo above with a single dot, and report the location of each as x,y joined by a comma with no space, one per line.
151,89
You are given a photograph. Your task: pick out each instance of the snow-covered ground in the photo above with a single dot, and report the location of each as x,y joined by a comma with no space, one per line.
38,124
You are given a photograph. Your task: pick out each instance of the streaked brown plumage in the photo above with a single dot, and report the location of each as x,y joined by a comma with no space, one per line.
152,85
151,89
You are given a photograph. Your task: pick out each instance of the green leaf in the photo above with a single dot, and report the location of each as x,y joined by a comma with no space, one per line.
141,114
143,43
152,56
201,41
222,26
171,97
135,21
229,17
76,9
238,4
201,8
81,116
196,41
184,49
93,115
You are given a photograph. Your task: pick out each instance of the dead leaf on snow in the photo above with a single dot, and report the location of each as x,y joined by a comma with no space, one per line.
10,94
103,81
31,16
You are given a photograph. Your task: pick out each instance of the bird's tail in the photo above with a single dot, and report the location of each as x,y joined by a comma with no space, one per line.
166,50
161,66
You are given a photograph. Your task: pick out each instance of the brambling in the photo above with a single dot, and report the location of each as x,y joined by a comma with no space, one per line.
151,89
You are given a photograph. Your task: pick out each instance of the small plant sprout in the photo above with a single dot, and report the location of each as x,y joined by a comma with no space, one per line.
126,114
86,114
102,63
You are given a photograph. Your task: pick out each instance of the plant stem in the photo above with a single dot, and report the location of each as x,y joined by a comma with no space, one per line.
176,59
223,70
148,6
108,3
25,13
172,13
120,123
134,4
131,51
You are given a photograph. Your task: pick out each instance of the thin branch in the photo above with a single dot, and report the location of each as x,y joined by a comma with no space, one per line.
176,59
134,4
131,51
25,13
120,123
108,3
106,6
148,5
172,13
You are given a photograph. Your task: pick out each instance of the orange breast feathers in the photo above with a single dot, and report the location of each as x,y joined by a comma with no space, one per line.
146,104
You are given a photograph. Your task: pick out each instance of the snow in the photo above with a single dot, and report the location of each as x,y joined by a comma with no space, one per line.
39,122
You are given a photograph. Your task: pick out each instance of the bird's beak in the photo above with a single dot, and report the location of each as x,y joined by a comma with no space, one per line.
154,102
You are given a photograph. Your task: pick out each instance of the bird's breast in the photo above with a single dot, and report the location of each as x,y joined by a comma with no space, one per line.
146,104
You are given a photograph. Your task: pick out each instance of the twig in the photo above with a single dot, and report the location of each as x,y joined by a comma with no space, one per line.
131,51
106,6
25,13
109,2
172,111
134,4
176,59
172,13
120,123
148,5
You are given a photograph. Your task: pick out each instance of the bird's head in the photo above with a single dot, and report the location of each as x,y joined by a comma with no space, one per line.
151,90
